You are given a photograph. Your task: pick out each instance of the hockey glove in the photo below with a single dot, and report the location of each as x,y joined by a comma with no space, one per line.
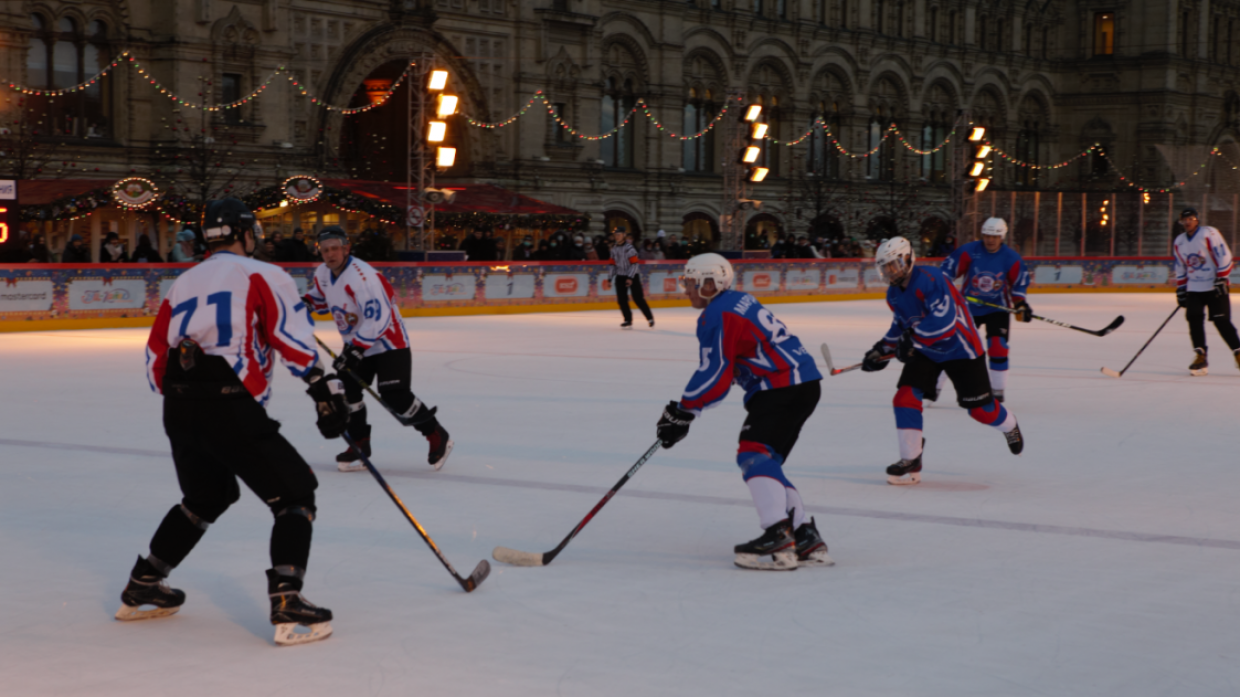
1024,313
1221,287
328,394
904,349
876,358
350,359
674,424
1181,296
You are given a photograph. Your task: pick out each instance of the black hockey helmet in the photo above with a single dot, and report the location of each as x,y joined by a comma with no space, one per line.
226,220
333,232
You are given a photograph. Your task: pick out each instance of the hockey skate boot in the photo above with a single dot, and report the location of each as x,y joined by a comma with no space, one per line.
441,447
905,471
998,395
1015,441
1200,366
349,460
296,619
652,327
627,325
1236,353
811,548
147,588
777,542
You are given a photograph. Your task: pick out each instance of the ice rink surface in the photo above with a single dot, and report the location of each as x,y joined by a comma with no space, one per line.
1104,561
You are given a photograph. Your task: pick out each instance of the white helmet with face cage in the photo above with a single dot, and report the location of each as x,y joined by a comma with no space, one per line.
712,266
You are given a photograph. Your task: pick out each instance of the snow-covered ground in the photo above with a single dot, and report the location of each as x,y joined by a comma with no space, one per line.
1104,561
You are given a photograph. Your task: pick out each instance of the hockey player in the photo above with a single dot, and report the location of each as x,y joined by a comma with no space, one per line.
376,344
931,333
211,354
743,343
1202,267
995,273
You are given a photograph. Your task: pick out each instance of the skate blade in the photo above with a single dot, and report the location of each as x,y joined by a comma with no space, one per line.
128,613
910,478
818,558
517,557
350,466
292,633
443,460
1199,372
626,328
781,561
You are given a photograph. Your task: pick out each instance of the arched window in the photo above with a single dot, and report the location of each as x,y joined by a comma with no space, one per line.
824,157
617,151
880,166
1000,27
843,14
63,54
951,28
940,109
1046,42
982,34
1028,47
878,16
701,108
1028,142
933,24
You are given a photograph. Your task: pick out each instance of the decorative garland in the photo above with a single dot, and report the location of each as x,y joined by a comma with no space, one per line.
147,194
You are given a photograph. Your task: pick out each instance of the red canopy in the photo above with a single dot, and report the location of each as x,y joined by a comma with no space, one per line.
40,192
470,198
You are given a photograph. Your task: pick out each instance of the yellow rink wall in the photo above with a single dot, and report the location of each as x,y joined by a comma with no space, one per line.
41,297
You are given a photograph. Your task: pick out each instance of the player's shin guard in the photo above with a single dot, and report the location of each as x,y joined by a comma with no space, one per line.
996,415
291,533
180,530
997,353
773,495
907,405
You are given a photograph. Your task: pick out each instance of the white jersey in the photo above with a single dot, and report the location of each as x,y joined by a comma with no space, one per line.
363,304
240,309
1201,259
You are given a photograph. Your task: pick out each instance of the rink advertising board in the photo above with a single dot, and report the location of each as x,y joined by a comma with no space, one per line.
38,296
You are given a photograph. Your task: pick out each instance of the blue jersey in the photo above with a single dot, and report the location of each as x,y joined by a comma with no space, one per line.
999,278
934,310
743,343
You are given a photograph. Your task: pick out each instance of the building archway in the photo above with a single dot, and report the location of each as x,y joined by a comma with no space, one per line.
764,225
617,220
701,232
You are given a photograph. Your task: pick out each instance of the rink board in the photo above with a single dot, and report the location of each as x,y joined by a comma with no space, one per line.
38,297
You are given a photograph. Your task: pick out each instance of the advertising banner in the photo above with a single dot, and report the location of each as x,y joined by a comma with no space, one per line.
803,278
438,288
566,285
664,283
99,294
502,286
1145,275
26,295
760,281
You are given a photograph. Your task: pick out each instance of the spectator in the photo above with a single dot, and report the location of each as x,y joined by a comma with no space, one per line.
112,251
297,247
183,249
478,249
144,253
283,252
544,252
946,247
75,252
525,250
501,248
39,253
652,252
601,247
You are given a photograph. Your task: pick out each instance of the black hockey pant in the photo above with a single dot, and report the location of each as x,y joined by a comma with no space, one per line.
394,371
216,441
1220,315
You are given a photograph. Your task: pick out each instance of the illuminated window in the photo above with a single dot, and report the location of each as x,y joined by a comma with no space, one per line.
1104,33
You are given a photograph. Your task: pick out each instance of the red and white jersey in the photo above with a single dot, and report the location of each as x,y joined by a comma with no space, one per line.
1201,258
363,304
240,309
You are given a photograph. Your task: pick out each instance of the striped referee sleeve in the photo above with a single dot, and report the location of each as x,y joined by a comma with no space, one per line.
624,258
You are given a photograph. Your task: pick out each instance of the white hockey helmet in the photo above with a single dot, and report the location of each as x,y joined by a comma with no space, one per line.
712,266
994,226
894,259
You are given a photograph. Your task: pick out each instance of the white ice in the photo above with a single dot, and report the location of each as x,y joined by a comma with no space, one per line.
1104,561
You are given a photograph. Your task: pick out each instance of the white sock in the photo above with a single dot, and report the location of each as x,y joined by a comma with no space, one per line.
796,506
1008,424
910,443
770,497
998,380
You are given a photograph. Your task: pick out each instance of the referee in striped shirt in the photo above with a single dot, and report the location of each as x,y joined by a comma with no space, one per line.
626,277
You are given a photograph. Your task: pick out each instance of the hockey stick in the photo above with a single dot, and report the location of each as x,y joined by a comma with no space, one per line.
1111,373
519,558
364,385
480,572
826,356
1100,332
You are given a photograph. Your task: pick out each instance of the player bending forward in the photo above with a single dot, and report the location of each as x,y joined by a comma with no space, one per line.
376,344
1202,268
994,273
931,333
742,342
211,354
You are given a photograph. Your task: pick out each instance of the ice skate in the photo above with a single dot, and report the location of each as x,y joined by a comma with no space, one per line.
441,447
350,461
1200,366
627,325
1236,354
811,548
905,472
297,620
777,542
652,327
998,395
147,588
1015,441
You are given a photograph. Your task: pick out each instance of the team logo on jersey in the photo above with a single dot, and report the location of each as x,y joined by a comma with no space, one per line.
345,321
1195,262
986,282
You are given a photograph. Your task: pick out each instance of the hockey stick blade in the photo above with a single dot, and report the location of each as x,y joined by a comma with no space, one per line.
478,576
826,356
1112,373
1112,326
516,557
